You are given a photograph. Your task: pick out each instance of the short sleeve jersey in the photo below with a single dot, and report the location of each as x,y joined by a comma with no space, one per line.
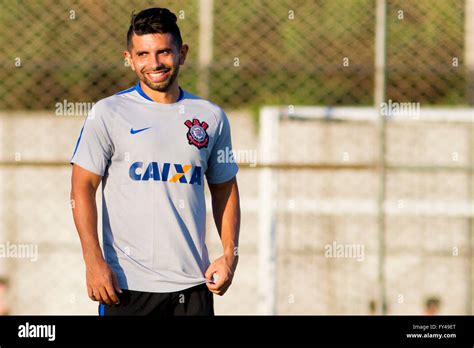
153,159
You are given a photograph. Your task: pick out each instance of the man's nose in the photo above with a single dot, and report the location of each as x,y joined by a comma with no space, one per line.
155,62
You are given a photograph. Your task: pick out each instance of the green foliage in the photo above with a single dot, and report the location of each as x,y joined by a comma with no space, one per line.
289,51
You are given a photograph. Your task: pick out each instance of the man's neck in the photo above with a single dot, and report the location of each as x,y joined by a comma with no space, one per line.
168,97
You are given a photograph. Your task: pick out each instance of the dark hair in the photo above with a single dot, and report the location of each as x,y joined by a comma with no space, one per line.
152,21
432,301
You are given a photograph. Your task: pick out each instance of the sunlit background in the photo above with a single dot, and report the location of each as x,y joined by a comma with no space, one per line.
343,207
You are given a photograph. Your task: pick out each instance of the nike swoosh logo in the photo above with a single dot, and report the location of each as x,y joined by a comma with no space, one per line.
135,131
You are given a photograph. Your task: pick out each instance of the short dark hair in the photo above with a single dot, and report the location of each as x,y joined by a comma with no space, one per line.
154,20
432,301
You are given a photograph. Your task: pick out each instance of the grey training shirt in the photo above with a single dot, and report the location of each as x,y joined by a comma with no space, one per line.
153,158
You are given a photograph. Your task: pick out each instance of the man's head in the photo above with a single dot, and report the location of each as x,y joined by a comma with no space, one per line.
3,296
155,48
432,305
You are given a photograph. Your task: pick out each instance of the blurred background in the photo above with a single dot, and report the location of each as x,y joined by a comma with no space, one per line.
346,208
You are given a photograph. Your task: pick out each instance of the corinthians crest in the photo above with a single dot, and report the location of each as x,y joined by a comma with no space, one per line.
197,134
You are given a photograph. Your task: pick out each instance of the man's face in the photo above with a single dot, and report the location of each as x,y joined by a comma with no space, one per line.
156,60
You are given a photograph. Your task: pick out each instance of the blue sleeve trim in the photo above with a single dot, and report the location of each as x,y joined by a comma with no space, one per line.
77,144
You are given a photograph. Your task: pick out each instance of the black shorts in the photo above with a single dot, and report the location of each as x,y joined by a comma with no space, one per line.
197,300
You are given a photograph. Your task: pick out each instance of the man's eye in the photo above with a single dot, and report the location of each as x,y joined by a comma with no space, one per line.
165,53
141,54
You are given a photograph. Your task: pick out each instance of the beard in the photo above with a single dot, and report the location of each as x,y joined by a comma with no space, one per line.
162,86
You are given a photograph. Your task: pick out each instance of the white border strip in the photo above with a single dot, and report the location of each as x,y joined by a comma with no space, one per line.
303,206
428,114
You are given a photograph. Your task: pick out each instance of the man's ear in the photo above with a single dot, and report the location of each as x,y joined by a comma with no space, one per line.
128,59
183,53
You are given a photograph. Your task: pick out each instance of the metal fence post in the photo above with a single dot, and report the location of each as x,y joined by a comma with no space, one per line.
379,98
205,53
469,58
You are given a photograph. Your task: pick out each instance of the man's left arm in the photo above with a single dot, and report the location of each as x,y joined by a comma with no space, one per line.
226,211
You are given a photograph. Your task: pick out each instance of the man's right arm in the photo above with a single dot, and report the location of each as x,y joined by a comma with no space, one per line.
102,283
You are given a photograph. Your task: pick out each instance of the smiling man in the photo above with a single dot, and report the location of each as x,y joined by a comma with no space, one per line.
152,146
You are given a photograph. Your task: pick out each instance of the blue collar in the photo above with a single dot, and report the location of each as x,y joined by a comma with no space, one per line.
143,94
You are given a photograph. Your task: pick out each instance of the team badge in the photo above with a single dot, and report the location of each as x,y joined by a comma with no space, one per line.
197,134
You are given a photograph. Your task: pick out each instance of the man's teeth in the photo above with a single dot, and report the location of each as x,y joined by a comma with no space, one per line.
158,74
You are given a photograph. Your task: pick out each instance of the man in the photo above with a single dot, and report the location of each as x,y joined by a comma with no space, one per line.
151,147
432,305
4,310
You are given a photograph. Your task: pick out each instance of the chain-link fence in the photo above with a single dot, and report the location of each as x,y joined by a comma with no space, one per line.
261,52
327,229
285,52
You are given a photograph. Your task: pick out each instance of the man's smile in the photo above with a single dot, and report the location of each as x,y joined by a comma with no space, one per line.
158,76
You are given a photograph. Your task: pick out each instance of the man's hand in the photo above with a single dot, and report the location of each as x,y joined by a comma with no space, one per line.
102,283
223,268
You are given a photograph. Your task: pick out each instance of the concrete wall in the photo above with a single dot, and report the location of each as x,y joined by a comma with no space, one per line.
427,255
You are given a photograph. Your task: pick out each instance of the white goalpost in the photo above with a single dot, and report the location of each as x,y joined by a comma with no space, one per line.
269,163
